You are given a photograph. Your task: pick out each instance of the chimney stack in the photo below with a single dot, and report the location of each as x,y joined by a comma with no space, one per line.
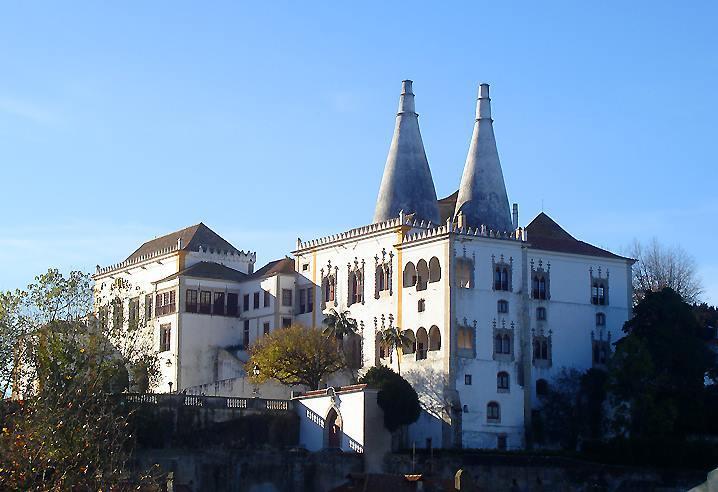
515,216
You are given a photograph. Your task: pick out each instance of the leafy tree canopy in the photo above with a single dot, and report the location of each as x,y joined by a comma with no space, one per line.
295,356
397,398
659,371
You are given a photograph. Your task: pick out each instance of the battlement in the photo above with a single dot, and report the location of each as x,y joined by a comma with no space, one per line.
387,225
451,227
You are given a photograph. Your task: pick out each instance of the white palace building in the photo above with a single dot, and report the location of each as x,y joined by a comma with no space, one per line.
495,309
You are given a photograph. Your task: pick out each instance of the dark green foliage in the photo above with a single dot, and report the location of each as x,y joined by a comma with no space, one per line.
397,398
658,373
572,409
655,452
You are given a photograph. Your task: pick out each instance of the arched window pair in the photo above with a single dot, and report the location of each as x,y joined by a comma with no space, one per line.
501,278
599,293
541,349
539,287
502,344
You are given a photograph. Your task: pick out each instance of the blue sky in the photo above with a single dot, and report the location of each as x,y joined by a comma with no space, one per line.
270,120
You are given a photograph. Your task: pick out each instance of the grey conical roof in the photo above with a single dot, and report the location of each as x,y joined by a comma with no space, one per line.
482,194
407,184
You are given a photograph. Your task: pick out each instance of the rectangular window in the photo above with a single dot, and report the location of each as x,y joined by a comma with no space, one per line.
165,303
190,304
245,339
205,302
255,301
133,314
232,304
165,337
286,322
287,297
245,302
310,300
118,315
302,301
218,306
305,267
467,379
148,308
266,328
267,296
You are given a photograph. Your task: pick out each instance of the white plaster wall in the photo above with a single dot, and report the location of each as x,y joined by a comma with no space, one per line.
349,405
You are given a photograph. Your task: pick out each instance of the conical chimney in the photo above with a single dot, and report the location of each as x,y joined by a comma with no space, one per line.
407,184
482,194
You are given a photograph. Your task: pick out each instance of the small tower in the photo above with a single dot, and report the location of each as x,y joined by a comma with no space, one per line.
482,194
407,183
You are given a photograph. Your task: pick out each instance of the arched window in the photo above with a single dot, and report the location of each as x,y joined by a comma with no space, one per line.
600,319
502,306
333,424
539,287
493,412
434,338
329,287
506,344
422,343
541,387
421,305
409,275
541,313
502,381
422,275
434,270
356,287
411,347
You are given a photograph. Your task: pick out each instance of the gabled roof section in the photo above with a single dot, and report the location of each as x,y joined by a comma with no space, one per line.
191,238
209,270
284,265
544,233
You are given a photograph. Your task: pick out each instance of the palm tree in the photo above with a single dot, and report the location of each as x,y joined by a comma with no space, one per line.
396,339
339,324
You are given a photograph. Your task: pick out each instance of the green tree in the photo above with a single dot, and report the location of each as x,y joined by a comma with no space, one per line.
659,370
397,398
295,356
396,339
339,324
68,431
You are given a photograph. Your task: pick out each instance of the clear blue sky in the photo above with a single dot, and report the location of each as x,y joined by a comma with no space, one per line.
127,120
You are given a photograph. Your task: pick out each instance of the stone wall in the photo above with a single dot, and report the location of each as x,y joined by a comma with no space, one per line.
495,472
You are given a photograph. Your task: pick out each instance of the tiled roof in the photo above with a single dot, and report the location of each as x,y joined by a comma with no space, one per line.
285,265
544,233
192,238
209,270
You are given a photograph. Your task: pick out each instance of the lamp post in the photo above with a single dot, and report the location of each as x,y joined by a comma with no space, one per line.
255,373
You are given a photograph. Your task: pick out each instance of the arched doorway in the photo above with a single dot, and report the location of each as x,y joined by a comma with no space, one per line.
334,429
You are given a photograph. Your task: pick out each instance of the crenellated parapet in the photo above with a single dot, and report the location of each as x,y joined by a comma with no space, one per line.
452,228
402,220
